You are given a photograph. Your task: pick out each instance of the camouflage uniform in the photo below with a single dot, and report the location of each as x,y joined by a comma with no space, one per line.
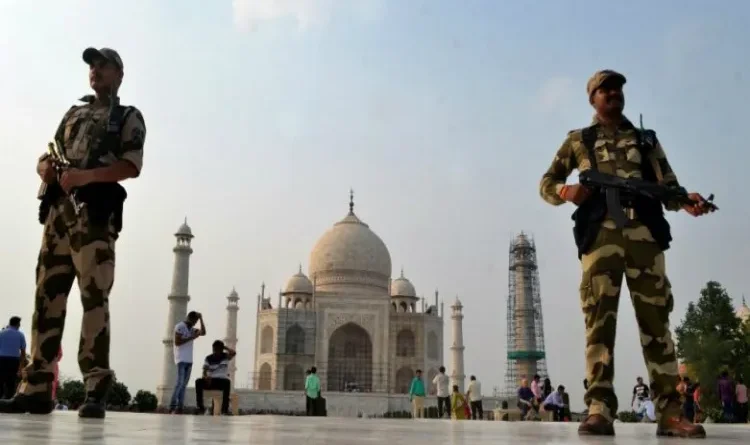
74,247
631,251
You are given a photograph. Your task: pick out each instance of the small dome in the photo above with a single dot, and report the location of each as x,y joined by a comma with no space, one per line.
184,230
743,313
233,296
299,284
522,240
402,287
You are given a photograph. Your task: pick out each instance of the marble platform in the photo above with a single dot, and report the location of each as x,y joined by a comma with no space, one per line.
65,428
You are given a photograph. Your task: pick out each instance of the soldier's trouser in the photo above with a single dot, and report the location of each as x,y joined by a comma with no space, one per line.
634,252
72,247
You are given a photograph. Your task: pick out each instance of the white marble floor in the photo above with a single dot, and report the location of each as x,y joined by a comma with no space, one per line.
65,428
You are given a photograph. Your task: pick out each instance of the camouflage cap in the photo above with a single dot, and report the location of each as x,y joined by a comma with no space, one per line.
92,54
602,76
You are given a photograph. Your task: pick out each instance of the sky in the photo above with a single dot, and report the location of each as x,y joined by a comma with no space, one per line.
442,116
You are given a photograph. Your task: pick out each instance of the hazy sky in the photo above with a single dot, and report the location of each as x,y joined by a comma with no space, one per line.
441,115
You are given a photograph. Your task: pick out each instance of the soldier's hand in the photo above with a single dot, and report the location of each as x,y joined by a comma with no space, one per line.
699,208
575,193
46,171
73,178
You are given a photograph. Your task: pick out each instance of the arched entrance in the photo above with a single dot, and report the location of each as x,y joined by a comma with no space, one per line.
349,365
404,377
294,378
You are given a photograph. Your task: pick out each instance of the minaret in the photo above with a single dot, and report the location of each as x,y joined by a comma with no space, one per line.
178,302
457,350
231,338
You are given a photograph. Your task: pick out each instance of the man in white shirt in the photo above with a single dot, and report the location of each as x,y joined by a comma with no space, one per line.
555,403
215,376
474,394
647,411
184,334
442,385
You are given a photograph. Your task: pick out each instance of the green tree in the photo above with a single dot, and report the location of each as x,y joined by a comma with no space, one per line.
711,339
145,401
119,395
71,393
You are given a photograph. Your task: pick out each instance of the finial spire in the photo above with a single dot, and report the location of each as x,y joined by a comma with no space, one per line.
402,271
743,300
300,267
351,201
185,221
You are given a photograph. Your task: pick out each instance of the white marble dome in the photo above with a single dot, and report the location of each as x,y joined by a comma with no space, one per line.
299,284
402,287
350,247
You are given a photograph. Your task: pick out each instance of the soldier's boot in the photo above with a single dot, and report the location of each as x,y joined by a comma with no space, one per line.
37,403
95,405
679,426
596,425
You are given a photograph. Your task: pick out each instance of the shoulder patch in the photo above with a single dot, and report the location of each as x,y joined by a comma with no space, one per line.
575,135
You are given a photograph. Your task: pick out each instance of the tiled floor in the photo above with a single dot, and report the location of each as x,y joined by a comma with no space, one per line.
64,428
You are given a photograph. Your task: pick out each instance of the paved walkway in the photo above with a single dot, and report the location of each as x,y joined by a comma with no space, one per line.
65,428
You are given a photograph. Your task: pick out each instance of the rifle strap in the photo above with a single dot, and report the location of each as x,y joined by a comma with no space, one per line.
588,136
646,143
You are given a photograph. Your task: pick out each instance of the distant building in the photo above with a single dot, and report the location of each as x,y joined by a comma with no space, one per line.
362,331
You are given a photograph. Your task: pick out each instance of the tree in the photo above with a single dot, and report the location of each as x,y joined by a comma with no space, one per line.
71,393
119,395
712,339
145,401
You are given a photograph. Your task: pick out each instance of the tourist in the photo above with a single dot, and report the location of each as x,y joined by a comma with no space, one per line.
546,388
697,402
474,394
526,400
640,393
442,385
741,394
184,334
56,382
554,403
536,389
312,392
688,403
12,351
646,411
726,395
566,402
459,407
215,376
416,395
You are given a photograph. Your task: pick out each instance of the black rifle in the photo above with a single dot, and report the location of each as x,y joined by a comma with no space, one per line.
61,163
613,186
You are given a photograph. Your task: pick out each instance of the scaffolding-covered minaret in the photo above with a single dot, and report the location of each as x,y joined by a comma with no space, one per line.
526,356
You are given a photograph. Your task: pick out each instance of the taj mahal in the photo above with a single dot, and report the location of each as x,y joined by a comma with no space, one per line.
365,332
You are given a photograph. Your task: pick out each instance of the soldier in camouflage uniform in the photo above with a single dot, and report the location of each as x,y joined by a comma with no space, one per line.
103,142
615,146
